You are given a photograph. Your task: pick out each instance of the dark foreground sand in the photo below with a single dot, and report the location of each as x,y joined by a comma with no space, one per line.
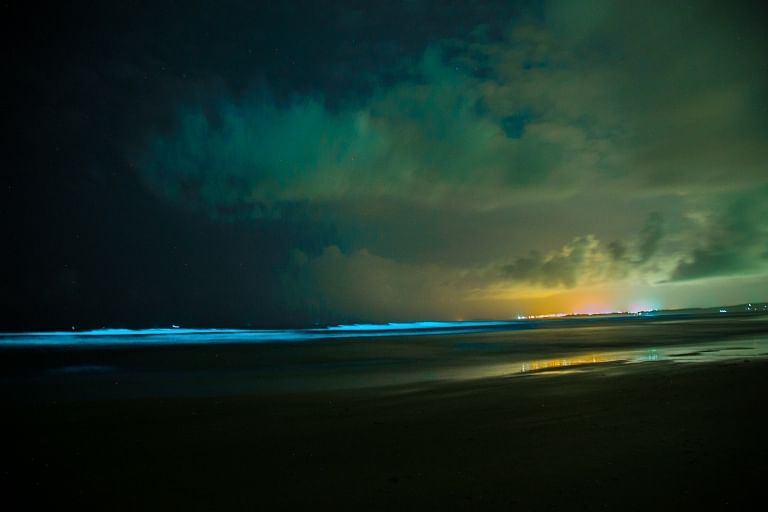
634,437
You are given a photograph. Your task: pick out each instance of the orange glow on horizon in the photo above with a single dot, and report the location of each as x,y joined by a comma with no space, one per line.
527,303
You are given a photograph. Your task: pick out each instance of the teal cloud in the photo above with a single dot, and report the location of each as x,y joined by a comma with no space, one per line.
423,139
734,241
530,159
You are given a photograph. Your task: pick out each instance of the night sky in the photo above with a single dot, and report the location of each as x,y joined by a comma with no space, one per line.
288,164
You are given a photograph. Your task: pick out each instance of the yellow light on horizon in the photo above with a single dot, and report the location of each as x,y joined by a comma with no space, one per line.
593,309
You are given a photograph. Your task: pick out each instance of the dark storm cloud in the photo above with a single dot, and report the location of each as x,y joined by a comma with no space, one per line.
650,237
570,102
672,90
296,162
581,111
423,140
563,268
587,260
90,81
732,242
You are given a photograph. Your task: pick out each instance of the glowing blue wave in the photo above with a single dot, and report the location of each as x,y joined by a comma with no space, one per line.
407,326
148,337
124,332
178,336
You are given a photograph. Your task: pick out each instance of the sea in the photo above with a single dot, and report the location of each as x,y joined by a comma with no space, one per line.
178,362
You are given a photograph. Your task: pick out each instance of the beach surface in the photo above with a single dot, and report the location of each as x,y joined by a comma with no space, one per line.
588,435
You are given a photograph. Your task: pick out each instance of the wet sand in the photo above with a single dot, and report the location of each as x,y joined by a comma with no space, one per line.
611,437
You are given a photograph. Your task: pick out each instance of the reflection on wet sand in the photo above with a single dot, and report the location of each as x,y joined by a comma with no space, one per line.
544,365
651,355
709,352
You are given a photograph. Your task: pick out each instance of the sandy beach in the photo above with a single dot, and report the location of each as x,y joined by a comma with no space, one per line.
631,437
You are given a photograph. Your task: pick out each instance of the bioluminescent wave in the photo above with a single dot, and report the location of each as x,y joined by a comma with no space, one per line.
115,363
189,336
405,326
116,337
177,336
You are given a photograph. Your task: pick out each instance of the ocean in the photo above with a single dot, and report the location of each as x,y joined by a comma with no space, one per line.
122,363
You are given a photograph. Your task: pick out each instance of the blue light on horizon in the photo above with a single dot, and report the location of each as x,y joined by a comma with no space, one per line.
191,336
403,326
182,336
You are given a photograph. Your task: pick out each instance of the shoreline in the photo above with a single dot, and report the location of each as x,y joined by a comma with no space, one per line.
217,369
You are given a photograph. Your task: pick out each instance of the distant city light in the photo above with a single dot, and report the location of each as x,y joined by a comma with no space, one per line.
550,315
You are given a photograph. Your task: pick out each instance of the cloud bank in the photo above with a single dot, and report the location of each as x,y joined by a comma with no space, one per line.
511,166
